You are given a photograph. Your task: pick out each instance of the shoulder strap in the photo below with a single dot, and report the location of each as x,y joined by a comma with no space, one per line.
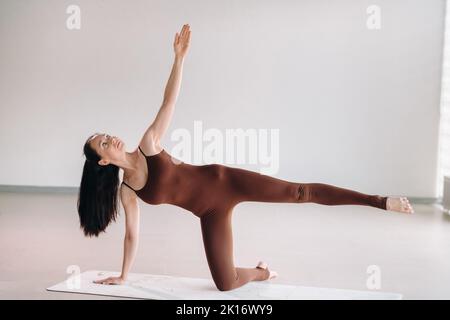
142,151
128,186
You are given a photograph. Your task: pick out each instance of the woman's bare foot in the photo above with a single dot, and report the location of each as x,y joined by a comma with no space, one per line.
263,265
399,204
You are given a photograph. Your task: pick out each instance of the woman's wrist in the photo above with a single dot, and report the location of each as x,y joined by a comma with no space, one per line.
178,58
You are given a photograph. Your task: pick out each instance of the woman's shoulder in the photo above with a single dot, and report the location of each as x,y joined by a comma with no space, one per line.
127,195
150,148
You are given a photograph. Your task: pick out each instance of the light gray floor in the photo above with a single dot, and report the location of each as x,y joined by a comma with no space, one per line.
307,244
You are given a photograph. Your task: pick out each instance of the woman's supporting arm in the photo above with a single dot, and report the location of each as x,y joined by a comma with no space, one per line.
131,240
130,245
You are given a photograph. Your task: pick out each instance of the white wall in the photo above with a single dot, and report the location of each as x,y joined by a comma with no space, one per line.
355,107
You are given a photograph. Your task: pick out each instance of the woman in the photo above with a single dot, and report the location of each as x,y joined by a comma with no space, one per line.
209,191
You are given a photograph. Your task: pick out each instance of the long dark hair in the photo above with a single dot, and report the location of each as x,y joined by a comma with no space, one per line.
98,197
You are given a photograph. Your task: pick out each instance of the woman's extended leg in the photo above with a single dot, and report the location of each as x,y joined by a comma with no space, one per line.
218,241
252,186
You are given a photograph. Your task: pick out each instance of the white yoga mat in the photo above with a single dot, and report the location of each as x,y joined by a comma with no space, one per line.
162,287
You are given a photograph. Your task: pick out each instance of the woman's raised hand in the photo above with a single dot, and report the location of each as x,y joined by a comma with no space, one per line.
182,40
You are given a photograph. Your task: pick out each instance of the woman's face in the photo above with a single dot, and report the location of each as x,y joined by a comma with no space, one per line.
108,147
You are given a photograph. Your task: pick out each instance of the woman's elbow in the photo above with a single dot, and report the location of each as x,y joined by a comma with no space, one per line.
131,236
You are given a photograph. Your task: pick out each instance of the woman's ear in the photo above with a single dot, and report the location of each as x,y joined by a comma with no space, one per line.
103,162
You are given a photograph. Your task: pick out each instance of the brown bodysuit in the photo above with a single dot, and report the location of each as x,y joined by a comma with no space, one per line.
211,192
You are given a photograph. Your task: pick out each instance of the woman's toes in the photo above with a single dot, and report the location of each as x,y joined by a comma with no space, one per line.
399,204
262,265
273,274
269,274
408,208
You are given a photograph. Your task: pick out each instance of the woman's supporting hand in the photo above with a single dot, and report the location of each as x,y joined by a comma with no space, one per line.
182,40
111,280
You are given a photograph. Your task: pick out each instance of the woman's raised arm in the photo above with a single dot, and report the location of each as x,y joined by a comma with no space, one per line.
162,120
